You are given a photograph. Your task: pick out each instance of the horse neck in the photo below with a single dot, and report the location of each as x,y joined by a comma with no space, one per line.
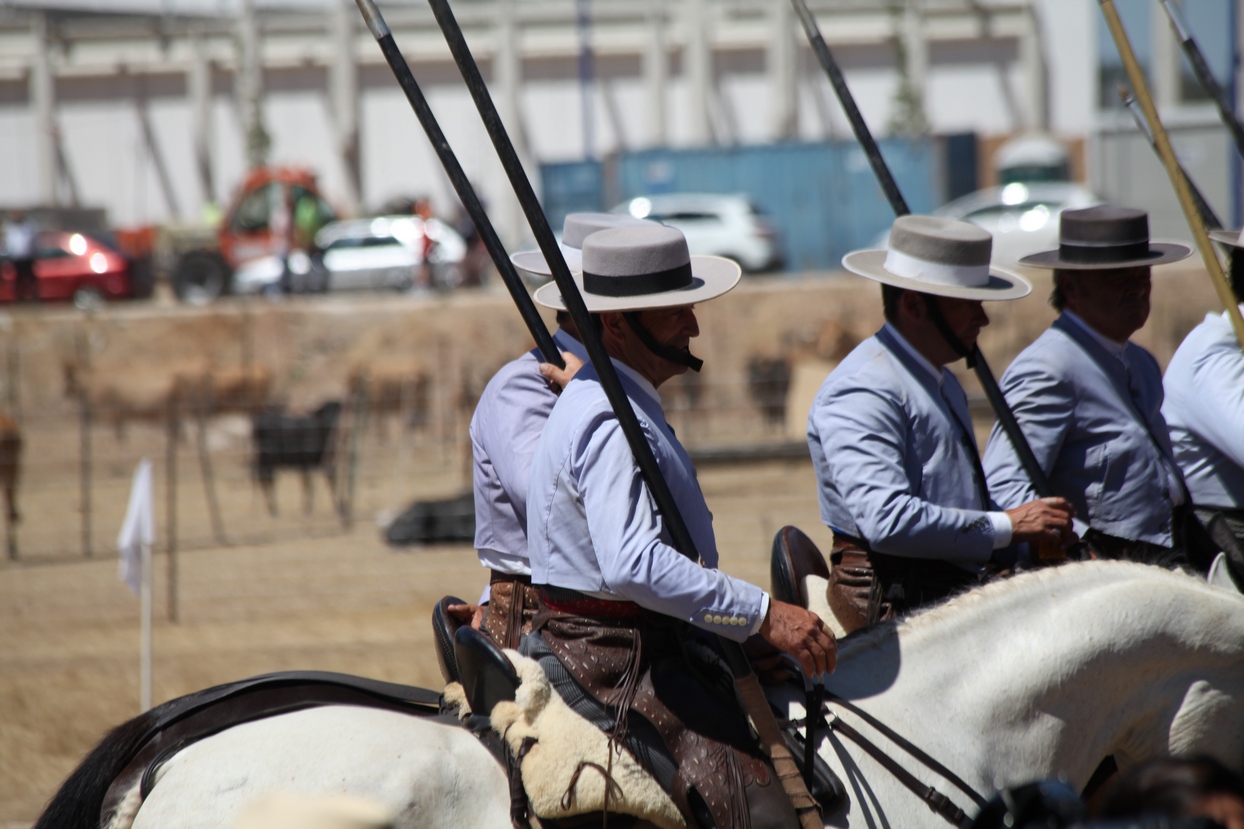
1053,670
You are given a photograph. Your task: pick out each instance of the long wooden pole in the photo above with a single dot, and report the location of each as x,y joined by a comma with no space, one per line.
1136,77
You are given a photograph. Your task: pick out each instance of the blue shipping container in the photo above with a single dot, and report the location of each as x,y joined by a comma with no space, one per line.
822,197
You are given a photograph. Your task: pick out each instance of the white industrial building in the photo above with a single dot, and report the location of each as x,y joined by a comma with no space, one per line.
144,107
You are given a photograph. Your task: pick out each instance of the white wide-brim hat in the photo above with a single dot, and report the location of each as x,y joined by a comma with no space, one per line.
634,268
575,229
935,255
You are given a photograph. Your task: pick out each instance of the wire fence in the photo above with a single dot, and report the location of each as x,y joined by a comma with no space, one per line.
381,454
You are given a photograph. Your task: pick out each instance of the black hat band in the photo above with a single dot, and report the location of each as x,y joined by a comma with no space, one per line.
1103,254
674,279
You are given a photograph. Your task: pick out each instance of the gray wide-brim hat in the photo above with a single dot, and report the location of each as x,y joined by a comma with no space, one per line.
575,229
1230,238
940,256
646,266
1105,237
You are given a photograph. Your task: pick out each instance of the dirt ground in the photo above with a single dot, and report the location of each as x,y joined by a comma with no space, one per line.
305,592
69,632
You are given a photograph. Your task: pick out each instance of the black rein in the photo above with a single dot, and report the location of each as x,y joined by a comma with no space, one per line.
941,805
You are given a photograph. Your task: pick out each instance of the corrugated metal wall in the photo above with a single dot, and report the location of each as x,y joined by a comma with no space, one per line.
822,197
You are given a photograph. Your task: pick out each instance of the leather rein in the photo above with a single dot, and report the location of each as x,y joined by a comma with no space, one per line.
942,805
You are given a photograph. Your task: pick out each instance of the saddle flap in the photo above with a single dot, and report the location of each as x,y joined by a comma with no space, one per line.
444,627
487,675
794,558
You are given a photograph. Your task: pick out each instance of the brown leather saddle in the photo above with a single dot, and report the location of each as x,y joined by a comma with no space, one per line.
794,558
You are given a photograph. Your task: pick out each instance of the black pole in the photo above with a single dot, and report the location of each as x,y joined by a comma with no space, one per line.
1226,108
745,680
1208,217
462,185
561,275
880,169
975,359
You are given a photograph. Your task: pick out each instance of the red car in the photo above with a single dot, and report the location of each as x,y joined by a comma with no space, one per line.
72,266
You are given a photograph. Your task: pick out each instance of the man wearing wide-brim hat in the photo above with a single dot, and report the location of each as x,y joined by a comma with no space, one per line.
621,610
505,429
1089,400
898,472
1204,407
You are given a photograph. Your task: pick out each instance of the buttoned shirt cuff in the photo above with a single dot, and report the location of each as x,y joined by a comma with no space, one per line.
1080,527
1002,529
760,618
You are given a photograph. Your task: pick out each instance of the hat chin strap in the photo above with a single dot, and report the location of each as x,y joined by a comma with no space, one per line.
677,356
943,328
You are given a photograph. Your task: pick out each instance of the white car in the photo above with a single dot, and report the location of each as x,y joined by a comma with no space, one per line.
381,253
715,224
1023,218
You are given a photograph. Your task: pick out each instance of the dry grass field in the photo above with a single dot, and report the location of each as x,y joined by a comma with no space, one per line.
336,601
303,591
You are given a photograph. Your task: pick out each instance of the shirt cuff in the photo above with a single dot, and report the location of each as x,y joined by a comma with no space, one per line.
1002,529
1080,527
760,618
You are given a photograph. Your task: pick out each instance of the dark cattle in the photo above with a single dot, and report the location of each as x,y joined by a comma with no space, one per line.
10,465
768,379
300,442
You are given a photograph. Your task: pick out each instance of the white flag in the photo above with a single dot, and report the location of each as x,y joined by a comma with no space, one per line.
139,527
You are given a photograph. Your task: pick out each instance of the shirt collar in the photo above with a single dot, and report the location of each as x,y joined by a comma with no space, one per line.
1112,347
920,359
639,380
565,342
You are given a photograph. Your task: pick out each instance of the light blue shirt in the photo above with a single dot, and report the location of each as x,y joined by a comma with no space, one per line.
1204,409
1091,411
505,429
892,464
593,526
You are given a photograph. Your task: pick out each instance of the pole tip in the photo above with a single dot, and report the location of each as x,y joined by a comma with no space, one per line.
375,22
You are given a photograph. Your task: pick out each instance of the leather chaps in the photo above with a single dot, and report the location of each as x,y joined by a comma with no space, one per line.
866,587
633,661
511,607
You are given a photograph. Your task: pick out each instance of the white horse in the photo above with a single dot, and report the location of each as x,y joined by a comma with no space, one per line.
1040,675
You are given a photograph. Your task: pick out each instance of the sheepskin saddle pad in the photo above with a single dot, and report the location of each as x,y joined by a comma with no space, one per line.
568,767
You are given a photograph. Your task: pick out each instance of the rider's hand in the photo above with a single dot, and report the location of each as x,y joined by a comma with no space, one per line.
558,377
802,634
1044,520
467,613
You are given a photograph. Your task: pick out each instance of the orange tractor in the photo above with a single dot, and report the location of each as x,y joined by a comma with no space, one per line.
275,210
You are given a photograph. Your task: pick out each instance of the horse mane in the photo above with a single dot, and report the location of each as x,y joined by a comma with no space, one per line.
1074,574
77,803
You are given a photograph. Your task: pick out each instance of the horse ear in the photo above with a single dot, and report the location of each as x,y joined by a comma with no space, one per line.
1221,574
